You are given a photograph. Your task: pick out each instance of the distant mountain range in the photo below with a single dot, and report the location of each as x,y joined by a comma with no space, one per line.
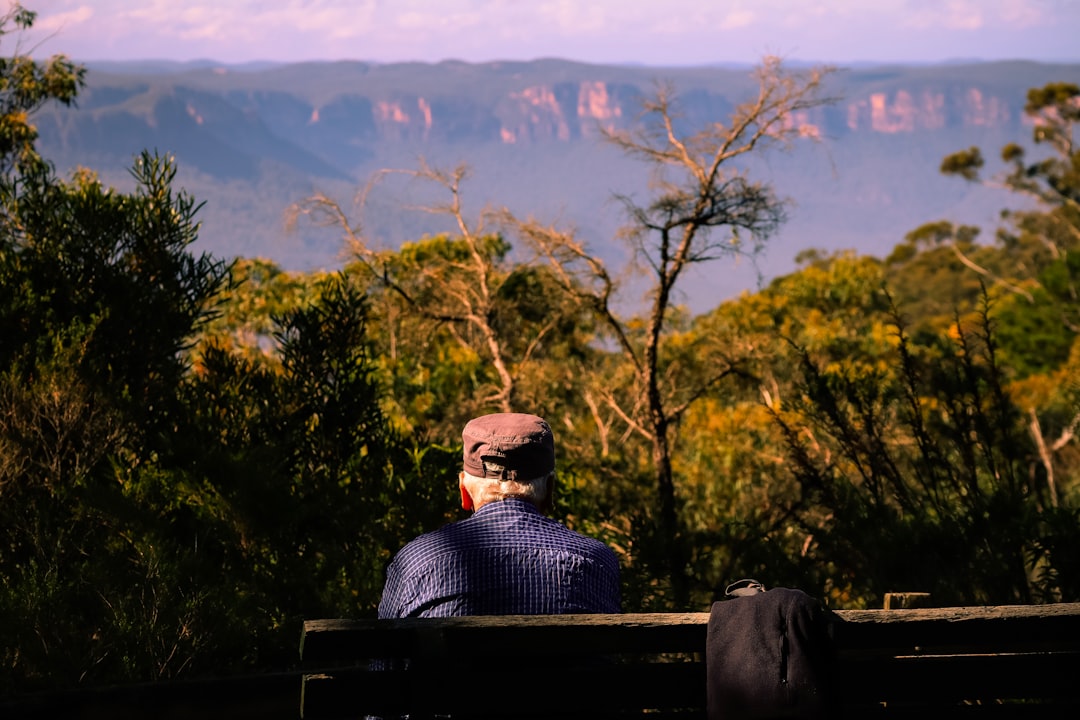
250,140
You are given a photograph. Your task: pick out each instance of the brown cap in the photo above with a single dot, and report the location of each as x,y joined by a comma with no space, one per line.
508,446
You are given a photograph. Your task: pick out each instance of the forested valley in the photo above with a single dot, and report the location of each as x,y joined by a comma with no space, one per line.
197,454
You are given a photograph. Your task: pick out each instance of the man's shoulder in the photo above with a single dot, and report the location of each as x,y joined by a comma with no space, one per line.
585,540
429,542
580,544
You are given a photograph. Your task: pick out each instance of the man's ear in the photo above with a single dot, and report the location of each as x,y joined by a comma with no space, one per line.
549,494
466,498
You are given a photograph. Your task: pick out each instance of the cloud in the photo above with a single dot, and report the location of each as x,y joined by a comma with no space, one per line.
229,24
154,13
202,18
440,22
973,15
583,18
203,23
65,20
1024,13
964,15
737,19
938,14
335,20
676,31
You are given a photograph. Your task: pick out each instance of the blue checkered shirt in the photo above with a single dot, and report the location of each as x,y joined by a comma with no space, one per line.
506,559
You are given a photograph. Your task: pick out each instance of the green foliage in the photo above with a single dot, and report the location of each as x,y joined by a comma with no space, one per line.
845,385
463,330
1042,243
26,85
99,297
296,479
1031,336
118,267
259,292
280,493
965,163
163,519
924,473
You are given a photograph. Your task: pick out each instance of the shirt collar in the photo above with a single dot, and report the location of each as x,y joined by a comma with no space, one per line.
508,505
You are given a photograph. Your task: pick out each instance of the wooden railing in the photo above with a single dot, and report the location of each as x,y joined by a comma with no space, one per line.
1007,661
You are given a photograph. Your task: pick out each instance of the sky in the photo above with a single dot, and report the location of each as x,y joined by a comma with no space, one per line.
647,32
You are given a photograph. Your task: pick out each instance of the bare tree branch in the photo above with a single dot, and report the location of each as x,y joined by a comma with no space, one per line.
697,192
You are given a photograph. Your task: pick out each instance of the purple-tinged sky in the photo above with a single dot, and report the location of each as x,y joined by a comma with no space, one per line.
650,32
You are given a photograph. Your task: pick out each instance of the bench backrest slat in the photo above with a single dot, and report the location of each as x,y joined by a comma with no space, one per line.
539,635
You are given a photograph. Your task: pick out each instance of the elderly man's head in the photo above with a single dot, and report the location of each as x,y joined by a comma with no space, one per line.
507,455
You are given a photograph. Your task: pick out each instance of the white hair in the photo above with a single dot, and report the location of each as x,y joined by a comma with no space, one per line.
485,490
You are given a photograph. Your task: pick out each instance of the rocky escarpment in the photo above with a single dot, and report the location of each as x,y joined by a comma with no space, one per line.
566,112
252,142
928,109
327,119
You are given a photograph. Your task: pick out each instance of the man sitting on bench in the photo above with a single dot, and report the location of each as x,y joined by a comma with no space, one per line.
507,558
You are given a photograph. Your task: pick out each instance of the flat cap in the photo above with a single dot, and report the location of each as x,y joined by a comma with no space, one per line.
508,446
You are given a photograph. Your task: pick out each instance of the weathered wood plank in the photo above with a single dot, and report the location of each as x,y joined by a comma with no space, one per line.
951,630
1003,660
525,635
943,630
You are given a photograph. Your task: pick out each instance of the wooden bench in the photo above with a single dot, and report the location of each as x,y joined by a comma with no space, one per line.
1008,661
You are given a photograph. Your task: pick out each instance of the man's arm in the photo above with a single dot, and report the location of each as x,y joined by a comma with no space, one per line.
390,605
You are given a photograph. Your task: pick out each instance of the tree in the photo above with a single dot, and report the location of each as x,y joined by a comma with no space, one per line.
704,207
502,317
99,298
26,85
294,479
260,292
919,475
1041,244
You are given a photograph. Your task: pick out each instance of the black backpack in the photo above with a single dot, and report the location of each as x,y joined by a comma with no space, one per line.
769,654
